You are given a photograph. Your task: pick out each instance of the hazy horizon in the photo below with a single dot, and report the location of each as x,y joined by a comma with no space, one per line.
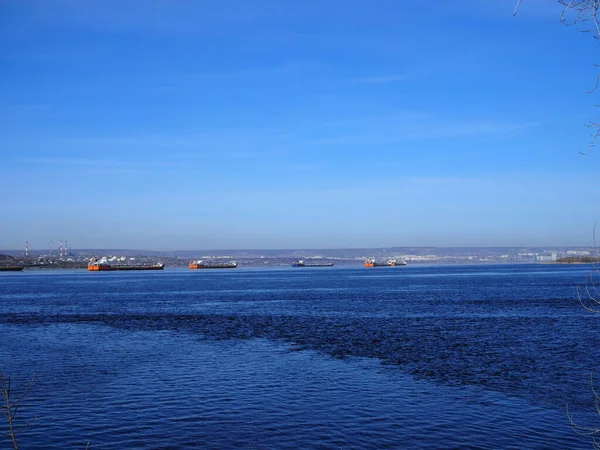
55,250
274,125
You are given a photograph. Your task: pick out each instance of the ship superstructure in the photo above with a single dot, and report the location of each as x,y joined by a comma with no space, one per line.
212,265
102,264
371,262
302,263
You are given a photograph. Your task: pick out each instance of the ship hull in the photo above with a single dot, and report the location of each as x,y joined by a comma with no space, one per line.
301,263
313,265
390,263
212,266
108,268
11,268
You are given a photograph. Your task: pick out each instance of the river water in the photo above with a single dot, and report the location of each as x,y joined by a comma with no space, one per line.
408,357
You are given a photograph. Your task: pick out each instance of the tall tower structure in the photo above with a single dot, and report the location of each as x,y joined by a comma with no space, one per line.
60,249
66,249
26,248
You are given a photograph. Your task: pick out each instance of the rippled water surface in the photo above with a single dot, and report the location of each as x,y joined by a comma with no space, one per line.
407,357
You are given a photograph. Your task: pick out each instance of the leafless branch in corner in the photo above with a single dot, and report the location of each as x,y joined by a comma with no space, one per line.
590,302
595,134
589,294
596,269
516,7
584,14
597,66
594,432
10,407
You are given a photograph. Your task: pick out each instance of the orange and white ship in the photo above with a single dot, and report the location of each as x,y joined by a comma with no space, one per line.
371,262
212,265
102,264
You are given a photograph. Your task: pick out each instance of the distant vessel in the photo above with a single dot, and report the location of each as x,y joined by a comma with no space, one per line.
395,262
211,265
11,268
389,263
98,265
301,263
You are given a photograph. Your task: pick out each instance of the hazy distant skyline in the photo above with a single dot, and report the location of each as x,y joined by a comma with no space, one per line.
275,124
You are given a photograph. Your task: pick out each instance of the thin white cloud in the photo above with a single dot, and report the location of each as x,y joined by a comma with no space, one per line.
25,108
391,117
285,69
303,167
420,131
231,143
169,161
383,79
90,165
159,16
503,9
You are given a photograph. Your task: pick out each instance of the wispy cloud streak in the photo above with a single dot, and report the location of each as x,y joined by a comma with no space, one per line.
383,79
421,131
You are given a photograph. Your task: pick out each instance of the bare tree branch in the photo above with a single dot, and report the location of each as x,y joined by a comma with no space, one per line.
10,407
516,7
584,14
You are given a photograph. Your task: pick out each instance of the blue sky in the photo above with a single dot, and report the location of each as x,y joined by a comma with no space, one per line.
166,124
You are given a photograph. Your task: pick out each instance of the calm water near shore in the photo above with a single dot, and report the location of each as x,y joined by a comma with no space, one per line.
407,357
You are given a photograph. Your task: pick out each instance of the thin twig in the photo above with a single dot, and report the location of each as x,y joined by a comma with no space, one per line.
10,408
516,7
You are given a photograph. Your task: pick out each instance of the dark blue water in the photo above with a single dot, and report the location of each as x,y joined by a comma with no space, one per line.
411,357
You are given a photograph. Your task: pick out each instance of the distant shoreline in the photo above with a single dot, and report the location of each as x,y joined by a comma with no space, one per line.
555,263
577,260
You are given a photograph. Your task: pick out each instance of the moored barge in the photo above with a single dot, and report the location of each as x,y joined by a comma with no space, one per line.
102,264
13,268
301,263
211,265
389,263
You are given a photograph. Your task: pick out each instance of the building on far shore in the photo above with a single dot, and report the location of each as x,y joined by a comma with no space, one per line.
546,258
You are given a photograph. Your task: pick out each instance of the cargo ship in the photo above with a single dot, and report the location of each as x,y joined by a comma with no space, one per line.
100,265
301,263
11,268
389,263
212,265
